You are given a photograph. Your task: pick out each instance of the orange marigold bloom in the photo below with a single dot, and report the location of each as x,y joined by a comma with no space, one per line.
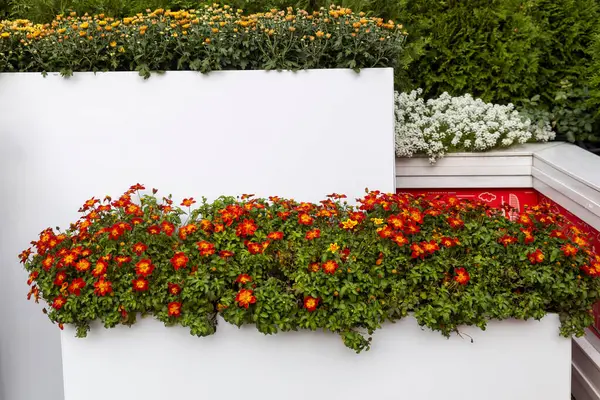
167,227
310,303
102,287
385,232
188,202
69,259
275,235
140,284
243,279
305,219
558,234
144,267
132,209
593,270
245,297
314,267
581,242
179,260
313,234
400,240
284,215
417,251
416,215
174,289
529,238
32,277
569,250
536,257
122,260
246,228
225,254
59,302
60,278
76,286
431,246
154,230
206,248
137,221
187,230
219,228
462,276
411,228
206,225
524,219
174,308
47,263
83,265
139,248
396,221
506,240
449,242
254,248
329,267
115,232
455,222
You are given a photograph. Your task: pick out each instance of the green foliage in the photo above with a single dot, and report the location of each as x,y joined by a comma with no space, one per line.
200,40
282,265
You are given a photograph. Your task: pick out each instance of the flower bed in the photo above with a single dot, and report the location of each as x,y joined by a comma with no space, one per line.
283,265
212,38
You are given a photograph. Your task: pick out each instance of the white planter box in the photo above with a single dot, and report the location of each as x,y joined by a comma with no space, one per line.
301,135
516,360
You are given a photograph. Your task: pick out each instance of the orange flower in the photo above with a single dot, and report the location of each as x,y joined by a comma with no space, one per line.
47,263
462,276
314,267
313,234
506,240
140,284
58,302
76,286
245,297
206,248
275,235
115,232
179,260
69,259
167,227
524,219
305,219
144,267
154,230
102,287
569,250
448,242
32,277
174,308
416,215
529,238
206,225
581,242
83,265
187,230
329,267
536,257
132,209
385,232
60,278
396,221
431,246
254,248
121,260
243,279
400,240
455,222
417,251
349,224
139,248
174,289
284,215
188,202
225,254
411,228
310,303
594,270
219,228
246,228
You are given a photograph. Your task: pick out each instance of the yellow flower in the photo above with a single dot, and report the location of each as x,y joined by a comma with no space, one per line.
320,34
215,30
292,29
113,44
5,34
334,247
377,221
84,25
349,224
102,23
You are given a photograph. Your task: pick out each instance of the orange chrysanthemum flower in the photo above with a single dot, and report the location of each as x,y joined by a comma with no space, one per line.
225,254
179,260
254,248
314,267
431,246
329,267
536,257
174,308
173,289
455,222
243,279
48,263
569,250
144,267
417,251
122,260
507,240
140,284
246,228
60,278
206,248
139,248
167,227
245,297
313,234
462,276
400,240
275,235
59,302
102,287
305,219
76,286
310,303
188,202
385,232
83,265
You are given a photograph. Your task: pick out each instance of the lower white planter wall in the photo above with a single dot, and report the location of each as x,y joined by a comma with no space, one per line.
299,135
511,360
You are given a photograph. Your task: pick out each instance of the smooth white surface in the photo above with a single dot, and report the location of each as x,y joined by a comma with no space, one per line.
516,360
62,141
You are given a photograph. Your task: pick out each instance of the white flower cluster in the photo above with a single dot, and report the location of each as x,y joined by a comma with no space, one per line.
452,124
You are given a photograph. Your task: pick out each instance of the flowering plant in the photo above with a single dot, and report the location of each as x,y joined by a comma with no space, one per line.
284,265
211,38
453,124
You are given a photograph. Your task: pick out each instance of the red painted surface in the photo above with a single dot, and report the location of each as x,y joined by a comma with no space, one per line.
518,198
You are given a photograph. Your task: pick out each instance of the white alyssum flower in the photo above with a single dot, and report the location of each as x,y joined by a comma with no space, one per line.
450,124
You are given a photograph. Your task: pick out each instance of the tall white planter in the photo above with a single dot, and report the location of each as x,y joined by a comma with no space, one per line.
516,360
301,135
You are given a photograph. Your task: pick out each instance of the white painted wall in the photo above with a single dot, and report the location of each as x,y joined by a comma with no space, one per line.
302,135
511,360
